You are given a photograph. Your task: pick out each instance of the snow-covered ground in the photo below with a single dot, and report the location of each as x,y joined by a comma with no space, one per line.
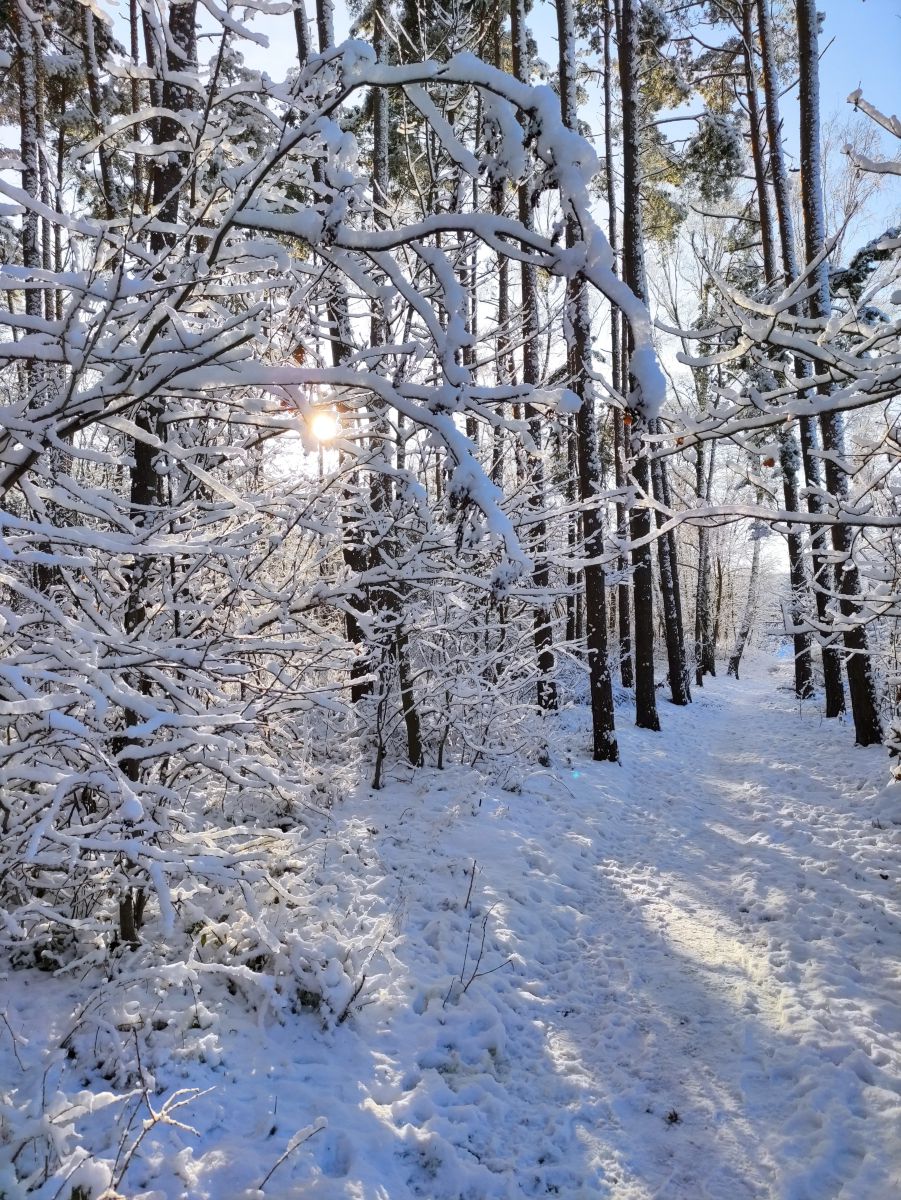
677,978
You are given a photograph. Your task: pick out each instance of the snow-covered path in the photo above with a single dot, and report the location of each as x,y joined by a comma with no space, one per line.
740,982
704,1000
674,979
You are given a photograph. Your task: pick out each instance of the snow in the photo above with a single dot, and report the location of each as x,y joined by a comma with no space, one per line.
674,978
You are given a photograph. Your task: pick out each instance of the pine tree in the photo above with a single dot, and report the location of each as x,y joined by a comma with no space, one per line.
861,684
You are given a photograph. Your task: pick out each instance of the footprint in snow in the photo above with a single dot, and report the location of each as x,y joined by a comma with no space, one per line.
335,1155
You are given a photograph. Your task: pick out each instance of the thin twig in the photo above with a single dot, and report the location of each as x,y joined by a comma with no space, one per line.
303,1135
17,1039
472,880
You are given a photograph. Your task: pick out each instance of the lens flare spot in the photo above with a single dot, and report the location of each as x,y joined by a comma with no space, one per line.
324,426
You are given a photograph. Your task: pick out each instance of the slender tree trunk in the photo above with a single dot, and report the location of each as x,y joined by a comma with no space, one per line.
531,368
354,551
626,675
99,112
166,183
861,684
750,611
302,32
59,184
605,747
505,367
137,165
325,24
718,604
388,601
764,204
705,639
29,52
34,238
633,270
674,628
832,676
789,456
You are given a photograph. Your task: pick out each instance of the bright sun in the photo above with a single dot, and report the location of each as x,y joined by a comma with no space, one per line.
324,426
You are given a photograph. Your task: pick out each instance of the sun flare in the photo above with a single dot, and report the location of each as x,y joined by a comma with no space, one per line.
324,426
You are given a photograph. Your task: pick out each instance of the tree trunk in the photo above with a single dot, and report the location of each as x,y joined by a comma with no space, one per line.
750,612
705,639
354,550
861,684
604,747
680,691
633,270
789,456
832,676
626,674
167,180
388,601
27,33
302,32
531,371
325,24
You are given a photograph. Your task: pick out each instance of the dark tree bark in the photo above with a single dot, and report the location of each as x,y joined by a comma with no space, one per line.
302,32
832,676
705,636
167,181
27,35
789,456
604,746
861,684
325,24
626,674
531,374
101,117
633,271
680,689
750,610
388,601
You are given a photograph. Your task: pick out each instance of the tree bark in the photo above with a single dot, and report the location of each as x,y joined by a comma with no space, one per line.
633,270
832,676
750,611
626,675
604,746
531,372
861,684
789,456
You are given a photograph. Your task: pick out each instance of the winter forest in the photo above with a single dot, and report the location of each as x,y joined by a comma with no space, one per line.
450,600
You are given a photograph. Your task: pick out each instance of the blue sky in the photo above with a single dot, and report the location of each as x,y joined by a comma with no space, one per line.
866,52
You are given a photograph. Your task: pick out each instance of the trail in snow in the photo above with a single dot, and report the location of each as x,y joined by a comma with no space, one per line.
707,950
744,977
674,979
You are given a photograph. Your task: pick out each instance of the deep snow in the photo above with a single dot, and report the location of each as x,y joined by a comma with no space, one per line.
676,978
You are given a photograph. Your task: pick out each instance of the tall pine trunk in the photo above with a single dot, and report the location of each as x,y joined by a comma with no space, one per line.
531,372
604,747
789,456
832,676
750,610
388,600
680,690
624,623
705,636
27,31
633,271
861,684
